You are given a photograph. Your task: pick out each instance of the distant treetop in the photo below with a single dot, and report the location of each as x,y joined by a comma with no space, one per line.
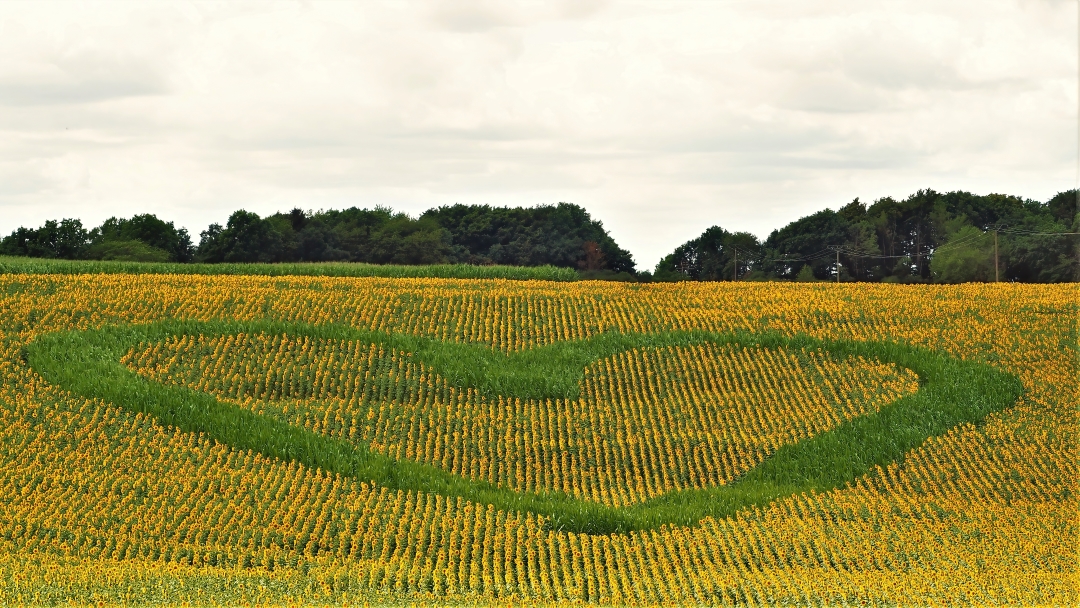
929,236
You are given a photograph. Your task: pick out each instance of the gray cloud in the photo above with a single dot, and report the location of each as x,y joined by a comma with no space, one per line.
472,16
68,65
77,79
71,92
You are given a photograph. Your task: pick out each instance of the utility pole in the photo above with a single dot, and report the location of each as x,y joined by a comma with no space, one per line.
736,263
837,265
996,277
918,252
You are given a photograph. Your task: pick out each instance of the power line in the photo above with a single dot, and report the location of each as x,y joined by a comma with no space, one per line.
951,244
1029,232
861,253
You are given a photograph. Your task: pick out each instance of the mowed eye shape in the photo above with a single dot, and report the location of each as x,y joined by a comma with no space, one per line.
648,421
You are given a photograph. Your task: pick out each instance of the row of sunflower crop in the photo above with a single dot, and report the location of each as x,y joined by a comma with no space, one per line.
210,507
650,420
99,503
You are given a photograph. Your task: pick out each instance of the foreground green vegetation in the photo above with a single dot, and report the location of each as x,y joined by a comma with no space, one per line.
951,392
21,265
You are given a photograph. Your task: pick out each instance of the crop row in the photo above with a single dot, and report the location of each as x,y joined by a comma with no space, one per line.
650,420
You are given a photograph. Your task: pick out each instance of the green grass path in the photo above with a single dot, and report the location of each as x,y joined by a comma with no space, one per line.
951,392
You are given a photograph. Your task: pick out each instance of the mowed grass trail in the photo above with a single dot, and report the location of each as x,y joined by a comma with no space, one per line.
951,392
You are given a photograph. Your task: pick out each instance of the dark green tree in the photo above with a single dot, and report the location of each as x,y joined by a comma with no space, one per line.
66,239
716,255
966,256
245,238
857,253
1034,251
148,229
402,240
317,242
520,236
812,241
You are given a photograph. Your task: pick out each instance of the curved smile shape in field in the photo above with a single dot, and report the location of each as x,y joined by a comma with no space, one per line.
951,392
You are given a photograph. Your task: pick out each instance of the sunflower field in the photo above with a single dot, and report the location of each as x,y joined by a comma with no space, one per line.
261,440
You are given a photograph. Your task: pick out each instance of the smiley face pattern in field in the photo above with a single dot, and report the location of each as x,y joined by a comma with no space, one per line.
649,420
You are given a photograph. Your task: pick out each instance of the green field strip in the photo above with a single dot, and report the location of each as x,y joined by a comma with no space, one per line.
21,265
951,392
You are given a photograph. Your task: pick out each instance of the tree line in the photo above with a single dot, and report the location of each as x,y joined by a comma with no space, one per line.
563,235
927,237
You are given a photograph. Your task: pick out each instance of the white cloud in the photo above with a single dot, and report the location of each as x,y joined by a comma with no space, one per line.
660,118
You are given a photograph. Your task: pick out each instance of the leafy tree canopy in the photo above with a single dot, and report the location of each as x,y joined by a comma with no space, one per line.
560,235
893,240
146,229
66,239
928,236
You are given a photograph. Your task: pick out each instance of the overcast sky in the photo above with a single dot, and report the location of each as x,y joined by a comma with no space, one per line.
660,118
